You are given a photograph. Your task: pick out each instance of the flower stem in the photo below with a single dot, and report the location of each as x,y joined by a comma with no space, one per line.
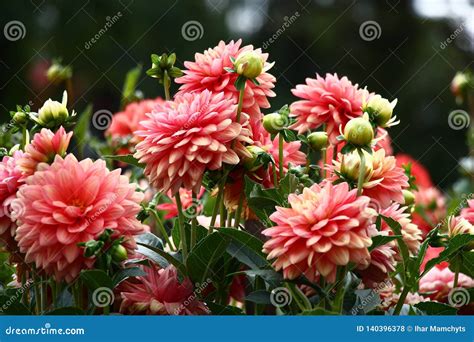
162,229
339,299
401,301
215,210
280,154
24,137
182,230
360,181
240,104
456,277
193,224
166,86
238,213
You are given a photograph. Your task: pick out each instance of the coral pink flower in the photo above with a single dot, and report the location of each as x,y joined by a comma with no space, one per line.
418,171
71,202
188,136
186,196
331,100
468,212
10,180
459,225
125,123
390,298
437,283
382,262
326,226
160,292
43,149
432,203
208,72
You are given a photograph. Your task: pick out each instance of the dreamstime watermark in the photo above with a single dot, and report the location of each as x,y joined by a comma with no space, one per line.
458,296
193,210
101,210
102,297
14,30
366,301
192,30
443,45
102,119
458,119
199,288
280,297
18,294
46,330
370,30
288,21
111,20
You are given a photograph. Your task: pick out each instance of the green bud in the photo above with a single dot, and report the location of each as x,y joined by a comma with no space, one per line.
249,64
359,132
58,73
274,123
119,253
318,140
254,162
381,109
20,118
53,113
408,197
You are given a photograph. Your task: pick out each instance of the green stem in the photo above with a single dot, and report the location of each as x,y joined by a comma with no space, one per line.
324,155
223,214
456,277
360,181
162,229
280,154
339,299
24,138
194,223
238,213
300,299
401,301
166,85
215,210
240,104
275,177
182,230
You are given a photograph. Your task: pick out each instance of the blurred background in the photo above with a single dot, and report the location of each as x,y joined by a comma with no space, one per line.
408,50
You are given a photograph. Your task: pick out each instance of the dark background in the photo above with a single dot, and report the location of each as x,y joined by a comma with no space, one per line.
407,61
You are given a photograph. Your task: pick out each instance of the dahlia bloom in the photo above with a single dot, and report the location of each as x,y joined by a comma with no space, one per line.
432,203
160,292
468,212
421,174
208,72
69,202
43,149
382,262
326,226
188,136
459,225
186,196
126,122
384,181
11,179
331,100
390,298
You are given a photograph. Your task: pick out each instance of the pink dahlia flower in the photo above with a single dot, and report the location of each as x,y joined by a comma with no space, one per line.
331,100
43,149
468,212
459,225
208,72
71,202
160,292
431,201
326,226
11,179
188,136
186,196
125,123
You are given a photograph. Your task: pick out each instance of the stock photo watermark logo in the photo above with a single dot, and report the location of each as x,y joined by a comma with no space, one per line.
18,294
14,30
459,119
199,288
47,329
288,21
102,119
280,297
193,210
192,30
459,296
443,45
110,21
103,297
370,30
372,298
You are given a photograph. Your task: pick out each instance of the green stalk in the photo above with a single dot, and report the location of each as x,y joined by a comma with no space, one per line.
223,215
215,210
24,137
193,224
339,299
162,229
166,85
360,181
182,230
300,299
280,154
238,213
401,301
456,277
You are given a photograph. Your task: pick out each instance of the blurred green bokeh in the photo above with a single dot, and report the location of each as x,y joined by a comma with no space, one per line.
410,60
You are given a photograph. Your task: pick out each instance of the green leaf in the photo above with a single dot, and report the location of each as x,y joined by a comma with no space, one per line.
262,201
347,148
127,273
126,158
397,230
436,309
149,239
204,255
94,279
65,311
81,131
246,248
318,312
130,84
270,276
289,135
380,240
167,257
259,297
464,262
240,82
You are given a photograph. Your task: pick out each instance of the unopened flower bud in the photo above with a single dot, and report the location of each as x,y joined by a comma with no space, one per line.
119,253
58,73
318,140
254,162
350,166
408,197
359,132
53,112
381,109
273,123
20,118
249,64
